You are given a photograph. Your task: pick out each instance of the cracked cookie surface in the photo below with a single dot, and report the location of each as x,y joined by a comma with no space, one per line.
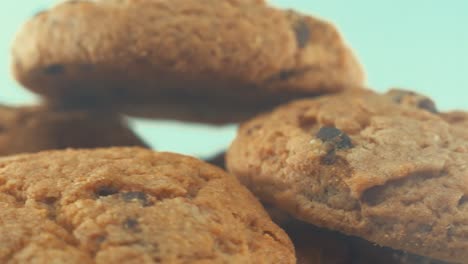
364,165
33,129
130,205
199,60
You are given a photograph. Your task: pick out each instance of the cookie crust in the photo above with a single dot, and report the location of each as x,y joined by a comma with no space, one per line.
209,61
130,205
364,165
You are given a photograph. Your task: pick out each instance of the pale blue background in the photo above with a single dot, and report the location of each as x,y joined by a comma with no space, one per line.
418,44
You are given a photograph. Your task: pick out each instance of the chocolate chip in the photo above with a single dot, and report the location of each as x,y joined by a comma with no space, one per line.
131,223
463,200
428,105
414,99
451,231
106,191
54,69
101,238
302,32
285,75
136,197
50,200
397,94
335,136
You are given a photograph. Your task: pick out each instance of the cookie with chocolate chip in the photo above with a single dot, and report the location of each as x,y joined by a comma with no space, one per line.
364,165
458,119
197,60
37,128
130,205
412,99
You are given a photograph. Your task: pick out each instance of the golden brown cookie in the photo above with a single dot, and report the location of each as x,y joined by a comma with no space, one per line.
130,205
198,60
32,129
363,165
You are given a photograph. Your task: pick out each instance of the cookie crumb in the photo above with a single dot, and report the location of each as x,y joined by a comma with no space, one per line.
106,191
335,136
429,105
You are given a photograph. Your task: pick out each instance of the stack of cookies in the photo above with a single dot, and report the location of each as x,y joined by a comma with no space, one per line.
322,171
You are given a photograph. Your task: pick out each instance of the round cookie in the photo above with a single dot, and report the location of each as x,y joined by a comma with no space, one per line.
32,129
130,205
197,60
363,165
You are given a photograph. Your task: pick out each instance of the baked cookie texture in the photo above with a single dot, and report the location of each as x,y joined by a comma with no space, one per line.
459,122
412,99
363,165
33,129
458,119
130,205
197,60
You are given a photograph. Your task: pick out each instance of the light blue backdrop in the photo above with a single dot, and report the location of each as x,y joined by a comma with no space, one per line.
417,44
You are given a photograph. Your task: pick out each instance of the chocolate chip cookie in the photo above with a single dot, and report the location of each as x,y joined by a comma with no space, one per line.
197,60
32,129
364,165
130,205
